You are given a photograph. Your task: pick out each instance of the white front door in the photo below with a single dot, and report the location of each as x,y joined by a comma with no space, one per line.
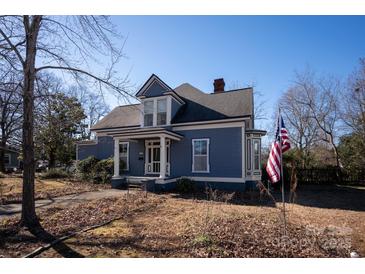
153,161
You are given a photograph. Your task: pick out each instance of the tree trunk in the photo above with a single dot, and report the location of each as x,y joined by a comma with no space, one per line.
29,217
52,159
2,149
2,156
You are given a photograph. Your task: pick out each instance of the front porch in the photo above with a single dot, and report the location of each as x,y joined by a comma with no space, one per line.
154,146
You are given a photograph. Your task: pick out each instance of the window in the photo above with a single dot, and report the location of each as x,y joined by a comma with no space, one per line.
148,113
256,154
248,154
124,154
161,112
7,159
200,155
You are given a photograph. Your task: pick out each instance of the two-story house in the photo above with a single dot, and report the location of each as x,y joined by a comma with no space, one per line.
181,132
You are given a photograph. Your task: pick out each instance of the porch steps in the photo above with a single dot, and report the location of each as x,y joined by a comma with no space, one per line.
136,184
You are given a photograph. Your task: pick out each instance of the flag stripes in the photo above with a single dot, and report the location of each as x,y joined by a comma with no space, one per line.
274,162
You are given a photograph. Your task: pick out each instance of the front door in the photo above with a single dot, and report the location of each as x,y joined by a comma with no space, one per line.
152,164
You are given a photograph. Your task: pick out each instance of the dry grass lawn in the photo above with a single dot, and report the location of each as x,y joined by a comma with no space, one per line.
173,226
11,188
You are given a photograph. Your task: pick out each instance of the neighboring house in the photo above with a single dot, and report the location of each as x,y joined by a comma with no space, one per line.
11,160
181,132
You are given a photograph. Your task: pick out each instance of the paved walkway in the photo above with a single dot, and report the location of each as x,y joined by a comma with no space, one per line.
62,201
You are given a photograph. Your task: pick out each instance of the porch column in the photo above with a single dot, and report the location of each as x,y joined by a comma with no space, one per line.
162,157
116,158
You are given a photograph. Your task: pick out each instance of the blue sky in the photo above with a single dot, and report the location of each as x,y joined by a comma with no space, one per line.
260,50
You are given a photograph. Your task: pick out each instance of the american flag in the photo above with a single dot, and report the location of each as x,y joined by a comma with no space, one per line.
273,167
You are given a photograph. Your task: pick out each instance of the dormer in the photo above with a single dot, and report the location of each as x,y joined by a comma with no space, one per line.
159,103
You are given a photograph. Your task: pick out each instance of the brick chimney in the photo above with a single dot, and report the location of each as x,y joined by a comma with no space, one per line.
219,85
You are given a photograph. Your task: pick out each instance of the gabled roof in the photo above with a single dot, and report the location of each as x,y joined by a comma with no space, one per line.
153,78
198,106
166,89
202,106
122,116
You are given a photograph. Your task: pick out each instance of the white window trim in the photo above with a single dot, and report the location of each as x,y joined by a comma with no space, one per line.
258,140
154,120
127,163
193,155
162,99
153,112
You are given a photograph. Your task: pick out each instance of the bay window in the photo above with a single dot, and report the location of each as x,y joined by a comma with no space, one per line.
256,154
200,155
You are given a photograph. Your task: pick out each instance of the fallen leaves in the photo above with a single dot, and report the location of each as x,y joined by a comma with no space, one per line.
166,226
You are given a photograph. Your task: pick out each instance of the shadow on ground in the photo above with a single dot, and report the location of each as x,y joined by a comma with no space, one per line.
237,198
40,237
330,197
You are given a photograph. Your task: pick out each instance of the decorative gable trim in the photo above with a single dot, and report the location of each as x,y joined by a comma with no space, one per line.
168,90
153,78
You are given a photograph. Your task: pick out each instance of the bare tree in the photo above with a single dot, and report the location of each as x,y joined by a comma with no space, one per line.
69,44
302,127
10,112
259,103
320,96
94,107
353,111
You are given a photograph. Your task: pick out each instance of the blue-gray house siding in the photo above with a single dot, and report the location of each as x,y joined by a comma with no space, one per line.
190,114
103,149
225,145
175,106
225,160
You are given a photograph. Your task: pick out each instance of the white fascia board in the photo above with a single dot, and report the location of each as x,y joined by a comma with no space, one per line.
175,97
208,126
212,121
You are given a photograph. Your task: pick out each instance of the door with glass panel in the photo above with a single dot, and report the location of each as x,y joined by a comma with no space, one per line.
153,161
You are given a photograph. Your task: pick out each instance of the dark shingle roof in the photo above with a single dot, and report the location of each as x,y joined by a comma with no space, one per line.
201,106
122,116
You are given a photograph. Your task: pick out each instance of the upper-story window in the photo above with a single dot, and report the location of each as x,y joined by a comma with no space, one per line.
161,112
156,112
148,113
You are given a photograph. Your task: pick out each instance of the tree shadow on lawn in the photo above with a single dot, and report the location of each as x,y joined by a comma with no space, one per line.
133,246
321,196
250,198
38,237
329,196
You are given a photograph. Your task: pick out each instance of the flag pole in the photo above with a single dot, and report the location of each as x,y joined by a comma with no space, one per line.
282,172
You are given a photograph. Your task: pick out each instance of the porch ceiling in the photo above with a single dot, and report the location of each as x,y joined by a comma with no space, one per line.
143,133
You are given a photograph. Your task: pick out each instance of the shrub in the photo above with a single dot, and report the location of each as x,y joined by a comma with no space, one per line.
54,173
103,171
185,185
86,167
97,171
